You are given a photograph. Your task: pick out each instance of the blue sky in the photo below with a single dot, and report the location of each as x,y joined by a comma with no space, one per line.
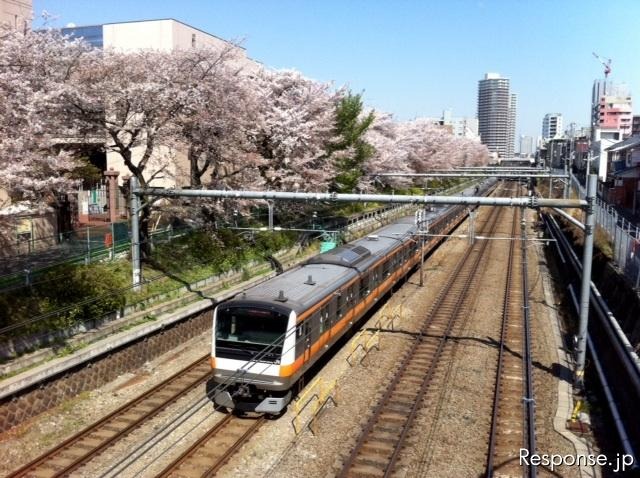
416,58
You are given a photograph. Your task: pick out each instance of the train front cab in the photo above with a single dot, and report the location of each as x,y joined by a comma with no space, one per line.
251,341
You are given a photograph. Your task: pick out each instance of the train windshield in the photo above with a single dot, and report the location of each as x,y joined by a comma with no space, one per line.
250,333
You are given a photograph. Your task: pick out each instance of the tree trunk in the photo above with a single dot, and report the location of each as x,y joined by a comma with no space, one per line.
196,174
63,214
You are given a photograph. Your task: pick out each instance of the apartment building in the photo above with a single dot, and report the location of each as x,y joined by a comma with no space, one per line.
497,115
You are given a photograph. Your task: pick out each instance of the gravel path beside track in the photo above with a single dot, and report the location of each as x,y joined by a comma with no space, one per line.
547,371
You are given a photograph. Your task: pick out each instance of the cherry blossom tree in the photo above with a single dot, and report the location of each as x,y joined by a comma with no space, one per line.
217,128
418,146
35,68
384,136
140,101
296,123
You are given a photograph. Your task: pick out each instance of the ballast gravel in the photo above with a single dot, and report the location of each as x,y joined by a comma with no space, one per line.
452,444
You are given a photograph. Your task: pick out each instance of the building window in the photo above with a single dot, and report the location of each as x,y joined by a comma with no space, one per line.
193,40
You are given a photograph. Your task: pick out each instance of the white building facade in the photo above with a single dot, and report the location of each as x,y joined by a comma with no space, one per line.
552,126
16,13
163,35
526,146
460,127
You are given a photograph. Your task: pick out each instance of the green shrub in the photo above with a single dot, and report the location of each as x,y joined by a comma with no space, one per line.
74,293
65,292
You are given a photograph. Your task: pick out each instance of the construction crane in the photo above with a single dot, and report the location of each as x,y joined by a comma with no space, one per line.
606,62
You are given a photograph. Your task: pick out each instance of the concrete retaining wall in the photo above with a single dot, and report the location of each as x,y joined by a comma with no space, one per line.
90,375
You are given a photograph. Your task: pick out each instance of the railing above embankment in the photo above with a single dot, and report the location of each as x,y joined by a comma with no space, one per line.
616,364
623,235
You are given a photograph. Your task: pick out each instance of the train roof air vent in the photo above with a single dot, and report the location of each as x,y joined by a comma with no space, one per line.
281,297
373,237
346,255
310,281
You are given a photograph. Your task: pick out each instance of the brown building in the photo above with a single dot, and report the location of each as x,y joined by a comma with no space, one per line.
635,125
624,174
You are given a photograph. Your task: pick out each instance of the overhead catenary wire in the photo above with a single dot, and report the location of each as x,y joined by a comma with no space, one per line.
172,423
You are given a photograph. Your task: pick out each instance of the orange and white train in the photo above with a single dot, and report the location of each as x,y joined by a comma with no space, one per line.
265,339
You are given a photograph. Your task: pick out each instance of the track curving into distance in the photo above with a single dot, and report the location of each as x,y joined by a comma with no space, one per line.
383,437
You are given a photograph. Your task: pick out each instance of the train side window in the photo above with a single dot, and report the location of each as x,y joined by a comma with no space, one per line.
324,318
299,331
339,303
364,286
387,266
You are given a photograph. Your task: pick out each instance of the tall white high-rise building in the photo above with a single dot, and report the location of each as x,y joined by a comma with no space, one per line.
512,125
552,126
497,114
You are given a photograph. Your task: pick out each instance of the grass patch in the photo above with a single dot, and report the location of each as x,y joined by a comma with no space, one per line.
69,349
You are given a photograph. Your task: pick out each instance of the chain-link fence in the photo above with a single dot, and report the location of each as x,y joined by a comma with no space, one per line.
623,235
83,245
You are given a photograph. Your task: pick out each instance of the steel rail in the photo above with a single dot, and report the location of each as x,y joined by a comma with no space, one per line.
471,260
503,339
116,425
528,409
529,399
192,463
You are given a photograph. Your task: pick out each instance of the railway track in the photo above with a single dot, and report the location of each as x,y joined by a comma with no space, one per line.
84,446
207,455
512,423
379,445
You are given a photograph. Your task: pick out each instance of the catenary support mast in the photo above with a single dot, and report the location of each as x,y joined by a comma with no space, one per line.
530,202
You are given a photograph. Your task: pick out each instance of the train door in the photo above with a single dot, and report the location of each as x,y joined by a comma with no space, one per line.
333,312
306,337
